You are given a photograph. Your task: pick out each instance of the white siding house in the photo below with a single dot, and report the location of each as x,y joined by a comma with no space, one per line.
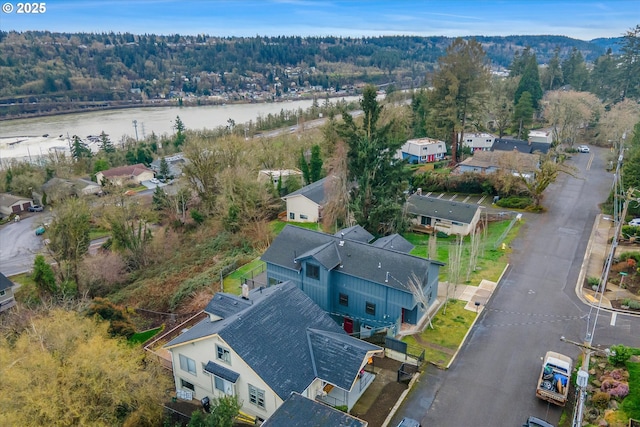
422,150
443,215
478,141
305,204
541,135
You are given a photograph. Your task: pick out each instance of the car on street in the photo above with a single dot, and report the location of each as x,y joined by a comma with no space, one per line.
583,149
635,222
536,422
36,208
40,231
409,422
155,181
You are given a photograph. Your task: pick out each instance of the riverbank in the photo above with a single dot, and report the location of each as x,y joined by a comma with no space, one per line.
53,108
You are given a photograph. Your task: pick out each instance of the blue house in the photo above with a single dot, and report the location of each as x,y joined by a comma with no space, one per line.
362,286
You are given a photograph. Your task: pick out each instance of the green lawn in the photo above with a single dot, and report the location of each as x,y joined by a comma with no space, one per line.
277,225
144,336
232,283
449,328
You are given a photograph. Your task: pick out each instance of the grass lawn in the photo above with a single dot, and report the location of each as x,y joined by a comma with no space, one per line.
449,328
98,233
277,225
141,337
232,283
491,262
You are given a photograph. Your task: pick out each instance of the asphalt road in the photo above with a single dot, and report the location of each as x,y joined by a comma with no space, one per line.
19,243
492,381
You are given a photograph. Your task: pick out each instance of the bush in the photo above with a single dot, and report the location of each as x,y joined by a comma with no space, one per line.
631,303
630,255
600,399
514,202
620,355
630,231
593,281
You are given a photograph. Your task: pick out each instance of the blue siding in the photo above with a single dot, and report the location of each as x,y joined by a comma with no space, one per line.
389,302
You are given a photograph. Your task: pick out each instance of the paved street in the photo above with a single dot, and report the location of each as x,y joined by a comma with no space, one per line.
492,382
19,244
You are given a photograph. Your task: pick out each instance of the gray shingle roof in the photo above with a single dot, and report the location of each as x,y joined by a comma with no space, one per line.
280,317
313,191
507,144
298,411
4,282
355,232
327,347
395,242
358,259
439,208
221,371
224,305
326,254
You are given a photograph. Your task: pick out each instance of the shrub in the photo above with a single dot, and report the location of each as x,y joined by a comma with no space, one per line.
600,399
630,231
632,304
626,256
620,355
514,202
593,281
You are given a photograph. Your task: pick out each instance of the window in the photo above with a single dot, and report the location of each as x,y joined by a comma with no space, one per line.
187,384
303,216
223,354
223,385
344,300
292,215
256,396
313,271
2,293
188,365
370,308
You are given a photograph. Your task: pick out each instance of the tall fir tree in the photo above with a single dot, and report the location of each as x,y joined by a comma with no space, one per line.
530,82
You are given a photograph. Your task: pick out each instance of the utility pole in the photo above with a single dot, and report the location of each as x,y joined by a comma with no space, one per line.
135,126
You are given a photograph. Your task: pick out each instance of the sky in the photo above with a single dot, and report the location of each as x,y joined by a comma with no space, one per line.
585,19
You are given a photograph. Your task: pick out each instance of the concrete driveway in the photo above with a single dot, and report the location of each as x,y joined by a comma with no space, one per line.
19,243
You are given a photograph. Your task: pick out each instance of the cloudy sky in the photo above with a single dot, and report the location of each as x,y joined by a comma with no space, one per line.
584,19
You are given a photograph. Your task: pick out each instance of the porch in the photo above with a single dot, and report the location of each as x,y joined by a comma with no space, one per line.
336,396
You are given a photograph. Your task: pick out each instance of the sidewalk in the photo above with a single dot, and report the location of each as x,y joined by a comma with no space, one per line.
595,257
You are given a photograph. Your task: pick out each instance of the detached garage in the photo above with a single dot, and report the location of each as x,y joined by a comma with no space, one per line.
13,204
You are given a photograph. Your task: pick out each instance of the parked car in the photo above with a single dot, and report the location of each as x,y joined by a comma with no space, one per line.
536,422
635,222
40,231
583,149
36,208
409,422
155,181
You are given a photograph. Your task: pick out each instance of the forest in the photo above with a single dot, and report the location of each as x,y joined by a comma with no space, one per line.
56,68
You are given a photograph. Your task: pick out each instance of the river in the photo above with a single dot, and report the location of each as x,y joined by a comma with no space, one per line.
25,138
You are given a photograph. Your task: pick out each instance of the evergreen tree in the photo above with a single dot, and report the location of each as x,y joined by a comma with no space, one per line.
164,169
377,198
105,143
604,78
180,136
530,82
8,179
629,82
315,164
553,73
523,113
574,70
79,149
43,276
304,167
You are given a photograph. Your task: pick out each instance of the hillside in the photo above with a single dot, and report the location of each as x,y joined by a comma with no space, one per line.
50,70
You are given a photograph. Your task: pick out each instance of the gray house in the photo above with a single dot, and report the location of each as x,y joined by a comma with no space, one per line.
6,293
443,215
265,345
362,286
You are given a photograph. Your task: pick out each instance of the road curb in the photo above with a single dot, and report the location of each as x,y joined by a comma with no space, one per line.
400,400
464,339
585,261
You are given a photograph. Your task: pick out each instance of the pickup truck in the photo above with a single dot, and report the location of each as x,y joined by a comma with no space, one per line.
553,383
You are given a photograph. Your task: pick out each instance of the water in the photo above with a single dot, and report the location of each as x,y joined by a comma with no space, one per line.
24,138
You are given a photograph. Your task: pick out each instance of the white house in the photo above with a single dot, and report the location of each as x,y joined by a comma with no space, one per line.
275,175
478,141
6,293
422,150
305,204
10,204
266,345
541,135
443,215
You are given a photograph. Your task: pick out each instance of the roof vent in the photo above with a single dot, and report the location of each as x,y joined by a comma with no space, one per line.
379,265
245,291
386,280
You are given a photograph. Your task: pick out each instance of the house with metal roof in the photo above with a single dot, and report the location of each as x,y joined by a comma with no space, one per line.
265,345
300,411
6,293
363,286
305,204
443,215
